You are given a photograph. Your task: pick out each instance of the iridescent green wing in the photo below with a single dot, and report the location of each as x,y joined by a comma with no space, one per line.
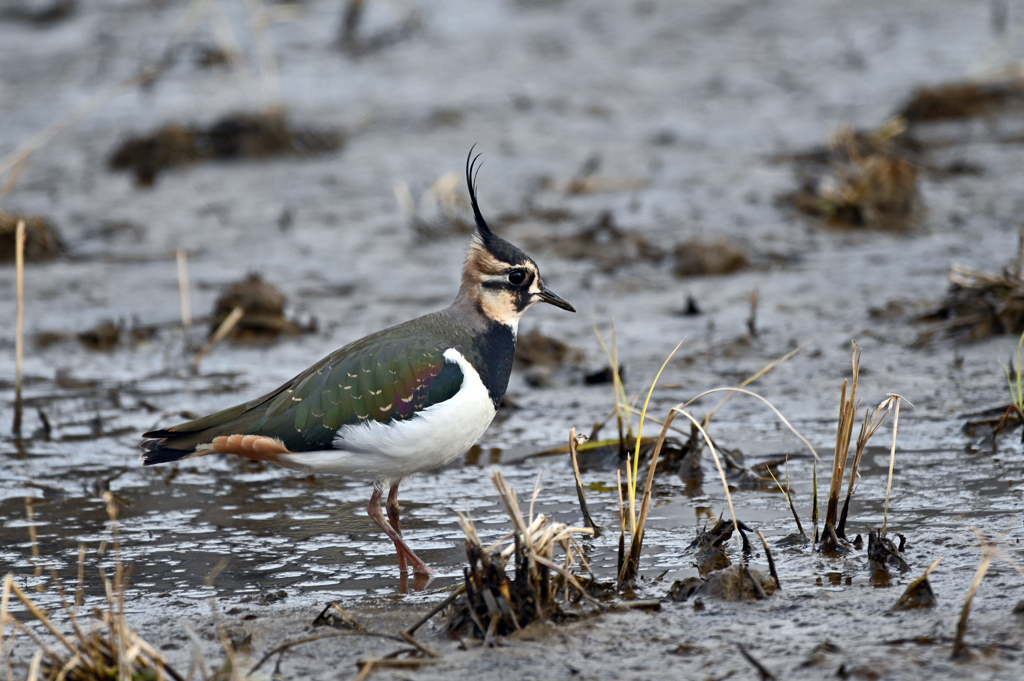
380,378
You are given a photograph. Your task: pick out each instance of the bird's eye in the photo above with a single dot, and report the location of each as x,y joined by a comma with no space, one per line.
517,277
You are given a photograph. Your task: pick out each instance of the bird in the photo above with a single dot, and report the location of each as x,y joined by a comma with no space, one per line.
398,402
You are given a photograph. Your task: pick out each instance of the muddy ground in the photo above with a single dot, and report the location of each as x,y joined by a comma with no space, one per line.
684,113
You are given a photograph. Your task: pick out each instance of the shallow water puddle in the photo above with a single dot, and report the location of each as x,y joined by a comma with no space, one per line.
281,531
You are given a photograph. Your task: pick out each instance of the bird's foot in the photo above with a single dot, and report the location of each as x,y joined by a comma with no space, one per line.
419,582
406,554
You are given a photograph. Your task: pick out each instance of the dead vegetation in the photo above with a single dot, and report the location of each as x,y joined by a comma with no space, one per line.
860,180
494,605
263,311
604,243
38,13
870,179
833,540
959,100
978,304
236,136
42,240
698,258
106,649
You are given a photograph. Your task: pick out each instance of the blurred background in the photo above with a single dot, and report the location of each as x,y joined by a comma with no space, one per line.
755,176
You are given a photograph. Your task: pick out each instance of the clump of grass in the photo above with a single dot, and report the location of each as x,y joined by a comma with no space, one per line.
629,563
494,605
844,431
1013,380
696,258
262,134
106,651
263,305
834,530
632,523
41,241
978,304
862,180
959,100
994,422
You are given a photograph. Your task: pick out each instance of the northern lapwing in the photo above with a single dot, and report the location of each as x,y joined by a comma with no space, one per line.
398,402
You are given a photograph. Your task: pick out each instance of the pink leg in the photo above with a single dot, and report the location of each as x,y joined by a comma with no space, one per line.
394,517
404,552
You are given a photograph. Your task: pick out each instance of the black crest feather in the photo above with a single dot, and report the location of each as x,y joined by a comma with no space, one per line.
497,246
472,170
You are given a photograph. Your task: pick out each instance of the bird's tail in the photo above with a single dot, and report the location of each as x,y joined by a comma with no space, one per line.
188,439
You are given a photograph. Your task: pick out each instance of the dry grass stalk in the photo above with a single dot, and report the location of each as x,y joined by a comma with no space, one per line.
80,590
573,443
459,590
959,647
183,288
771,561
814,507
847,415
788,494
495,605
107,651
629,564
892,459
19,341
622,407
222,331
872,422
33,538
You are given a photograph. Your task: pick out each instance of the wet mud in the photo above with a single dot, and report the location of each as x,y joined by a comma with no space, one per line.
698,115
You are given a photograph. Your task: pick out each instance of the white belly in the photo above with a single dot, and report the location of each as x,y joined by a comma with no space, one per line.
392,451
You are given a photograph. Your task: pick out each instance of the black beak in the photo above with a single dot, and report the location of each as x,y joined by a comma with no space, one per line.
549,297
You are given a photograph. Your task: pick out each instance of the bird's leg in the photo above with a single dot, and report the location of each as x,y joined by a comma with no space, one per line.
375,513
395,518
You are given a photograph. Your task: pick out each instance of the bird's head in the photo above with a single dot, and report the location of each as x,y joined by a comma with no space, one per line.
499,278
